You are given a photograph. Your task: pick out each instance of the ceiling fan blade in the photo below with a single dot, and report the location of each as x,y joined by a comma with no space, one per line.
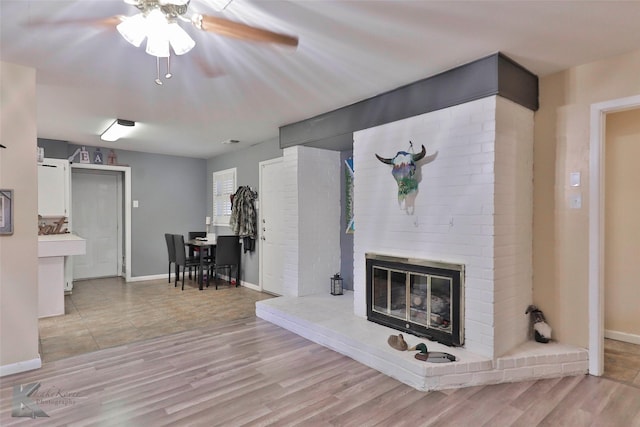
228,28
111,21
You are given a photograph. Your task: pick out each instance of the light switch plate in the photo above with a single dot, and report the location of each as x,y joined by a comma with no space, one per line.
135,204
575,201
574,179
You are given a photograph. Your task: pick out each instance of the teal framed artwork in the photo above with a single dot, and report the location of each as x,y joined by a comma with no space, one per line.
349,176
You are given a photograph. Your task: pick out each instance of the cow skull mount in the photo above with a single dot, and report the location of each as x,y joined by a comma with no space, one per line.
404,172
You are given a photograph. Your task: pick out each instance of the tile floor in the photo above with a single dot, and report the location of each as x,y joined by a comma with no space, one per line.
104,313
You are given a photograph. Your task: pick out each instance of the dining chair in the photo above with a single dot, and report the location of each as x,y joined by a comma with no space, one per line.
195,251
171,250
227,256
182,260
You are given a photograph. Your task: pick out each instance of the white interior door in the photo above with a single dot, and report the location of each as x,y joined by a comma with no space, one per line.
271,226
96,208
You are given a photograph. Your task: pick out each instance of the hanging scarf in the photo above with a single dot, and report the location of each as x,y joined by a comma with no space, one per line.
243,213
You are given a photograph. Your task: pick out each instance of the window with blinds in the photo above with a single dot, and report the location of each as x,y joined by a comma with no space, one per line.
224,185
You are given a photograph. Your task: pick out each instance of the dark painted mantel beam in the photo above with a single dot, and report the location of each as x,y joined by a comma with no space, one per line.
493,75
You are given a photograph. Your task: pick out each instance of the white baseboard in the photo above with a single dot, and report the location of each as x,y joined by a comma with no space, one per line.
250,286
25,365
242,282
164,276
152,277
622,336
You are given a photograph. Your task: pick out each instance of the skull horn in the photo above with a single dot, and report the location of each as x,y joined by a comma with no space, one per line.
383,160
420,155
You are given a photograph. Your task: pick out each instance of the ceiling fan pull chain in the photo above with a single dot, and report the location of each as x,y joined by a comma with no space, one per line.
168,75
158,81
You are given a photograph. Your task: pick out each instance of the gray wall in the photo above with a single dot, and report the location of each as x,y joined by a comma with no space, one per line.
246,161
172,198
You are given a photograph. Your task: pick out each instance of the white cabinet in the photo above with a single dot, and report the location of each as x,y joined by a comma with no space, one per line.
53,188
54,253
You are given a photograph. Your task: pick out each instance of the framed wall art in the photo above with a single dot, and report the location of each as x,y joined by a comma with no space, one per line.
6,212
349,178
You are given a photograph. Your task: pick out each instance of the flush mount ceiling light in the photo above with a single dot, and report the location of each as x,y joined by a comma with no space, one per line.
117,130
159,23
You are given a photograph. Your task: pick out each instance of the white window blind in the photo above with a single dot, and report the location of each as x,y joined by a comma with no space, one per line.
224,185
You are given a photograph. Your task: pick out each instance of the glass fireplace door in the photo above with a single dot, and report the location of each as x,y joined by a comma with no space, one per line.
440,303
420,298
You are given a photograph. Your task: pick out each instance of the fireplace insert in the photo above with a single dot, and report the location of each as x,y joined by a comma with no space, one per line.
420,297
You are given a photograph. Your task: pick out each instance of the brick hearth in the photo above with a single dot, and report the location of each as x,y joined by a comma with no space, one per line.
329,320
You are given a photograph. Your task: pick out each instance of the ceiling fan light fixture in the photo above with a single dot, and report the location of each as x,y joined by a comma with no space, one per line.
159,21
118,129
157,34
156,22
158,46
133,29
180,41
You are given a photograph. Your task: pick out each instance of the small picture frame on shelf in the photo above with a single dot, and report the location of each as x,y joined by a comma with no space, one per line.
84,156
112,159
97,157
6,212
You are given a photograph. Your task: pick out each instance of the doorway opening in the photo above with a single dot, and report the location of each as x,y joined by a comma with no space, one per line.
621,247
597,225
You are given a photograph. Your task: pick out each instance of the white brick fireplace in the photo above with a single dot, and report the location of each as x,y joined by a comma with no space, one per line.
473,207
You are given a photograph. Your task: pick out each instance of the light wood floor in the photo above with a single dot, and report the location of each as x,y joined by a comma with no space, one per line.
622,362
250,372
223,366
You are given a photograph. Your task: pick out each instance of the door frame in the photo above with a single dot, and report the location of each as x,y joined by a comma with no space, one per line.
127,208
260,210
596,224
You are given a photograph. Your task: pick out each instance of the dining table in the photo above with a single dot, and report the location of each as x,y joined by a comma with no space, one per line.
206,247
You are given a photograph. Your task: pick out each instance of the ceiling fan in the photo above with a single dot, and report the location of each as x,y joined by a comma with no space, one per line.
159,23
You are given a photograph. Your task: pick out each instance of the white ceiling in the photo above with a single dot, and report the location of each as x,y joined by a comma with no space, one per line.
87,75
